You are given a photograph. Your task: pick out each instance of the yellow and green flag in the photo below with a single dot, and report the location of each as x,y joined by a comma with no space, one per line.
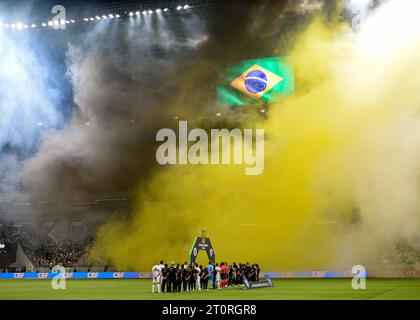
257,80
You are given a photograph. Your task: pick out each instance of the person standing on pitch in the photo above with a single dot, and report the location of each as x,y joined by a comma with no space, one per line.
191,281
198,278
218,277
210,269
178,278
156,274
187,276
171,277
164,277
184,279
161,266
204,279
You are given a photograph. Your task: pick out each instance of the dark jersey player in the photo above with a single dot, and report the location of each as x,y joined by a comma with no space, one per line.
171,277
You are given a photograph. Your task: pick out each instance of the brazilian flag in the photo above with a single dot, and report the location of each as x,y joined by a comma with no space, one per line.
256,81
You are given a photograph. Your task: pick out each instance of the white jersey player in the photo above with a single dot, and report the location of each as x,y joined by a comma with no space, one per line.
198,279
157,278
218,277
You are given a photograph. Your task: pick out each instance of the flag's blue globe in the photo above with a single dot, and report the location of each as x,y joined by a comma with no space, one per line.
256,81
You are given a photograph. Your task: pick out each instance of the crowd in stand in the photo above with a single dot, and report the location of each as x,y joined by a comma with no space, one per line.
43,251
191,277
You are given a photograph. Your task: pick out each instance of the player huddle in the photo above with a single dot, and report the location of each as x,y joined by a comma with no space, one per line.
191,277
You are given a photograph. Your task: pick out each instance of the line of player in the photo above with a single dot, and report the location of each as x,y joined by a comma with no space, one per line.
191,277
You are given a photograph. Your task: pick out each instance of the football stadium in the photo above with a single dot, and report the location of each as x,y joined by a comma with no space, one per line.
210,150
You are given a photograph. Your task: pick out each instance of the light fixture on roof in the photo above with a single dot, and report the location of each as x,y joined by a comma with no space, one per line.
179,8
186,6
158,10
130,13
165,10
98,18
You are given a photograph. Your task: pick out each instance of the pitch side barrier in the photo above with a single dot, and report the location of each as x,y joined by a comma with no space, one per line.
146,275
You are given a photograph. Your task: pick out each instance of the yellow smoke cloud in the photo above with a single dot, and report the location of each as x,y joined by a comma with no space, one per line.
338,185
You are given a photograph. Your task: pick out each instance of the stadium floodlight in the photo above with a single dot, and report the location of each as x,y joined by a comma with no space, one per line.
63,22
111,16
91,18
186,6
43,24
179,8
144,12
130,13
50,23
25,26
33,25
137,13
104,17
19,26
1,25
165,10
13,25
150,11
158,10
56,22
85,19
72,21
98,18
117,15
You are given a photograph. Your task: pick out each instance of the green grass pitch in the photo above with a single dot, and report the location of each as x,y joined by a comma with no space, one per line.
330,289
